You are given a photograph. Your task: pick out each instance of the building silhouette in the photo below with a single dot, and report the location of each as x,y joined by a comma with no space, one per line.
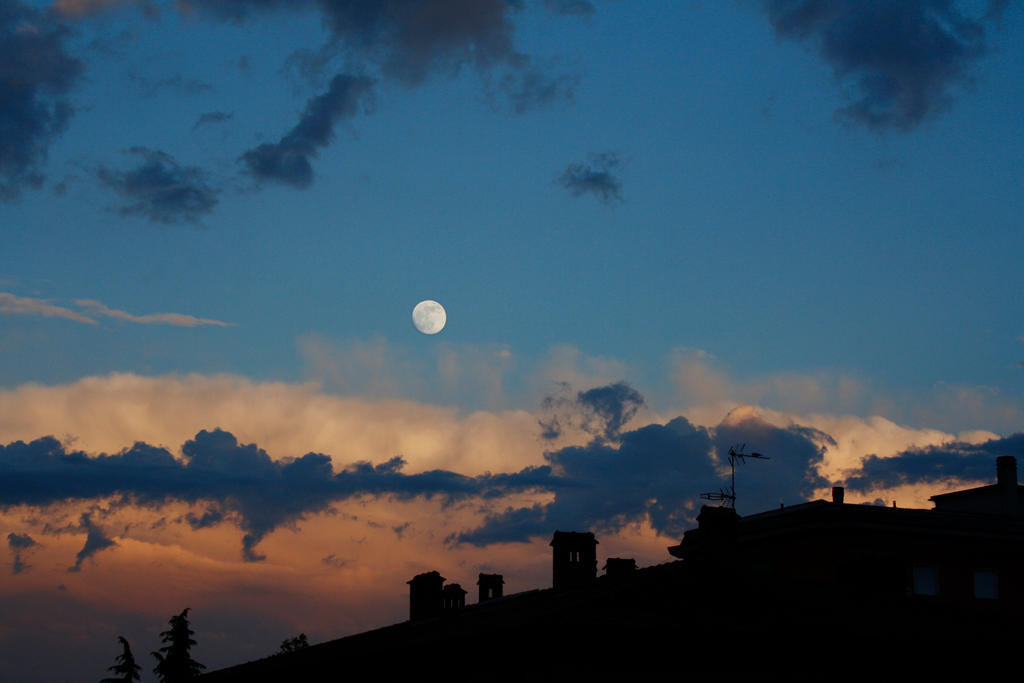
824,590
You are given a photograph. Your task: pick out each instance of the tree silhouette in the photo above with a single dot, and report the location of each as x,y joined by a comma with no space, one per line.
293,644
175,664
126,668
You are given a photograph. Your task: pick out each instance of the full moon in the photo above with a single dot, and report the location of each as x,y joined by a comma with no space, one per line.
429,317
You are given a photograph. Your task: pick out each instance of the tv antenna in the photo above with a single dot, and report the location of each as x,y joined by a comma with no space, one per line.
728,496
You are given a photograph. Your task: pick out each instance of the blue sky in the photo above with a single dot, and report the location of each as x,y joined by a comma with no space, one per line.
755,222
658,229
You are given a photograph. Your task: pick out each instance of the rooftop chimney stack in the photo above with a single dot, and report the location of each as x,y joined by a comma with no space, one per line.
838,492
453,598
490,586
425,598
1006,480
574,559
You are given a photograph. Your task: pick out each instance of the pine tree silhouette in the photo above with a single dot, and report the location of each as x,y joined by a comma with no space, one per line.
175,664
126,668
293,644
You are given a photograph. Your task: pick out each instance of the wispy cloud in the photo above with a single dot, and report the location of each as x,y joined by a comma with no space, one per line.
93,307
20,544
13,305
594,177
90,309
95,540
160,189
212,117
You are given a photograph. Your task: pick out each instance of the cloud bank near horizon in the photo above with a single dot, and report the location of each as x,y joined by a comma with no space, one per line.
625,472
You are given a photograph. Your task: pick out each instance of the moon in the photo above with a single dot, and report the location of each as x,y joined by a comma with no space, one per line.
429,317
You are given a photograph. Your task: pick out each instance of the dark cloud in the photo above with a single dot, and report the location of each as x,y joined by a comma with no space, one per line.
211,517
95,541
410,40
904,60
160,190
333,561
287,161
594,177
656,473
955,461
19,545
601,411
212,117
403,40
238,482
35,76
20,541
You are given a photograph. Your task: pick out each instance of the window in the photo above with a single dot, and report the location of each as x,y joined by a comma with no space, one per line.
926,580
986,586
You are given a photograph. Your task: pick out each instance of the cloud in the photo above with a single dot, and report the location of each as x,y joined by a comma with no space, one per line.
653,474
287,161
34,108
95,308
656,474
410,41
333,561
903,60
95,541
706,389
594,177
19,545
161,190
91,309
105,413
948,462
23,305
601,411
212,117
237,478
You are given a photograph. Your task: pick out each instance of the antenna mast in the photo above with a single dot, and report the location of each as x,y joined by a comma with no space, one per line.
728,496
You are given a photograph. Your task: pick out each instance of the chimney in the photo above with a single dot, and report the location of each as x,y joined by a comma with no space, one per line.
574,557
1006,480
838,492
453,598
425,598
490,586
